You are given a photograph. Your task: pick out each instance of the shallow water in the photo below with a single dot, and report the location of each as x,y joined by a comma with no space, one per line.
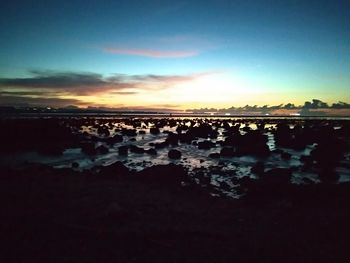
220,174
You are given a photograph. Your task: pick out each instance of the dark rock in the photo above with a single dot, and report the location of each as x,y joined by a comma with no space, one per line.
136,149
170,174
103,130
151,151
88,148
154,130
102,149
258,168
206,145
75,165
277,176
214,155
123,150
115,139
227,152
116,170
174,154
129,132
161,145
328,175
173,139
286,156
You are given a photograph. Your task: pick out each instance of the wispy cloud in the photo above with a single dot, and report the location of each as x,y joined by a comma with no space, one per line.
152,52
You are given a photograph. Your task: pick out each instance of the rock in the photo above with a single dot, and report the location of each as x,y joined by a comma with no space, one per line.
277,176
136,149
227,152
286,156
75,165
103,130
206,145
129,132
123,150
174,154
214,155
170,174
115,139
154,130
151,151
173,139
102,149
88,148
116,170
328,176
161,145
258,168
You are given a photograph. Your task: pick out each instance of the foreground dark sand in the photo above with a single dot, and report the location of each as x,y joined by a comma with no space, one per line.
52,215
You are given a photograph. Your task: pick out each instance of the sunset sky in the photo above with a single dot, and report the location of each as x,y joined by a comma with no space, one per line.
173,54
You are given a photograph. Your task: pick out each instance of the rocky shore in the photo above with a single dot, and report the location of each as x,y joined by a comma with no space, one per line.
168,212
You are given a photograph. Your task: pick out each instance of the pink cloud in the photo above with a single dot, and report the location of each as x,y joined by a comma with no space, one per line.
152,53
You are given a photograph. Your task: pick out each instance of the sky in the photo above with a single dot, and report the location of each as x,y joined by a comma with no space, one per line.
173,54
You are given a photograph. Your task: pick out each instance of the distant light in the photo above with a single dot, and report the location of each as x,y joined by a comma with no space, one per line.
267,114
227,114
212,113
294,114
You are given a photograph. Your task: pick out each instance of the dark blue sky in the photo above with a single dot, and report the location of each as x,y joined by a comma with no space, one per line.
226,52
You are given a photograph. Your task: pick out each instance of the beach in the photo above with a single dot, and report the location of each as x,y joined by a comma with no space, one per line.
248,200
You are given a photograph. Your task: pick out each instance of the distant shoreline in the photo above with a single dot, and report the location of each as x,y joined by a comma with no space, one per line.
166,115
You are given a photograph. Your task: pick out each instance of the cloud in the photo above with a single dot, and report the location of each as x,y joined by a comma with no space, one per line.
152,53
71,83
28,101
51,86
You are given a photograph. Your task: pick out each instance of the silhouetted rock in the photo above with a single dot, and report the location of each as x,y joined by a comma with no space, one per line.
123,150
286,156
214,155
171,174
258,168
102,149
329,152
174,154
103,130
129,132
227,152
328,175
116,170
115,139
277,176
154,130
173,139
136,149
206,145
151,151
88,148
161,145
203,131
